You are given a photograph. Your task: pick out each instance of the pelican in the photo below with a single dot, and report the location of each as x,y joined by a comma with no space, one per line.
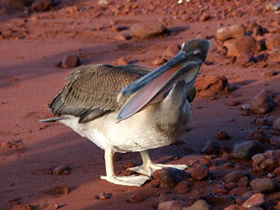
129,108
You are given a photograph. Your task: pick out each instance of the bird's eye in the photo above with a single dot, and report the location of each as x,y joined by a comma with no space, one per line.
196,53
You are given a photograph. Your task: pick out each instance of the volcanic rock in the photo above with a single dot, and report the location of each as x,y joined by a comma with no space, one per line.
172,205
222,135
200,172
211,147
272,42
70,61
275,140
235,176
267,161
265,185
136,198
235,207
243,45
182,187
147,29
211,85
170,177
262,103
171,51
246,149
256,200
41,5
199,205
276,124
263,122
230,32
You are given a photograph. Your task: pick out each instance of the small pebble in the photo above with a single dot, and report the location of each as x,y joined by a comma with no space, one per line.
136,198
103,196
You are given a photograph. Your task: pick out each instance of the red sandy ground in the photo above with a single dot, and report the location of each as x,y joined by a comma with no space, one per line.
29,80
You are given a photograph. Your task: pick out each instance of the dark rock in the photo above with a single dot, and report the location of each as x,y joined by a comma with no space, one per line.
183,187
265,185
70,61
136,198
243,45
275,140
262,103
211,147
258,135
19,4
276,171
41,5
104,196
222,135
211,85
199,205
263,122
256,200
170,177
246,149
172,205
231,185
231,32
276,124
200,172
148,29
62,170
235,176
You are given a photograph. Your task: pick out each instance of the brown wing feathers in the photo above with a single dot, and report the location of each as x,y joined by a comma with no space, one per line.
92,90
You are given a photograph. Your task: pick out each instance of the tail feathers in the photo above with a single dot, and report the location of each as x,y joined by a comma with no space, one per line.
54,119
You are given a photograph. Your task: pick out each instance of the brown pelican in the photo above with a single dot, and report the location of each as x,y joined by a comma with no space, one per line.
127,109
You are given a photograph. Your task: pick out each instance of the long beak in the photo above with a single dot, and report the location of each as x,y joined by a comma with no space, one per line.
151,87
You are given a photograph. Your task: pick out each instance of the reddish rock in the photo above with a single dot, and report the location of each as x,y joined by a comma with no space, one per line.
163,197
235,176
243,182
231,32
276,124
170,177
275,140
233,103
222,135
272,42
159,61
104,196
258,135
41,5
171,51
235,207
122,61
276,171
200,172
204,17
262,103
62,170
172,205
147,29
219,189
70,61
136,198
269,73
199,205
182,187
256,200
265,185
231,185
239,191
211,85
267,161
243,45
122,37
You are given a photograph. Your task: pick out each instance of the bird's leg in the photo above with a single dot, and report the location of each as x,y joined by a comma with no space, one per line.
148,167
121,180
